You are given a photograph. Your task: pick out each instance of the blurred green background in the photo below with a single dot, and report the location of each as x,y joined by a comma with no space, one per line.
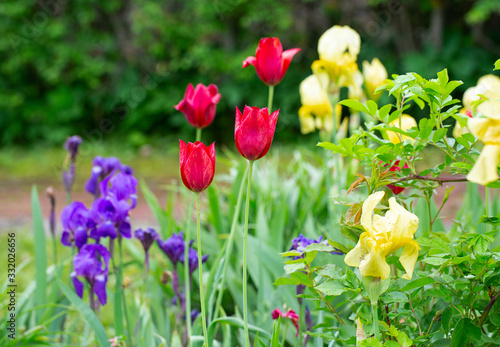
113,70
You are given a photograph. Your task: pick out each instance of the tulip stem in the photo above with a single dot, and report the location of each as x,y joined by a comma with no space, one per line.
187,276
270,99
200,272
375,320
198,134
245,237
229,246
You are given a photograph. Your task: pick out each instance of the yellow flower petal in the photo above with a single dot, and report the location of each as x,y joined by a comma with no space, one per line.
384,235
307,124
374,265
409,258
353,257
367,210
490,108
407,122
374,74
488,130
339,45
485,169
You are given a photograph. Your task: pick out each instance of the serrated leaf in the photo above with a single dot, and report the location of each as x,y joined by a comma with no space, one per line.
350,233
318,247
439,134
331,288
446,318
291,254
464,332
436,261
443,77
392,297
417,284
339,246
459,260
355,105
285,281
372,107
291,268
330,271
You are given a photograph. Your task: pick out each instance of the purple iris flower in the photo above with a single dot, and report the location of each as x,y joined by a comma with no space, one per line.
194,314
173,247
101,168
301,242
193,258
122,186
146,236
110,216
72,144
68,176
92,264
75,219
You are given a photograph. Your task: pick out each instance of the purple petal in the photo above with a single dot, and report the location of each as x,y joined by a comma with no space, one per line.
100,288
125,230
80,237
77,284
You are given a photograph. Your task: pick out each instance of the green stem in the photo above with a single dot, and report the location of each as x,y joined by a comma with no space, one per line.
124,302
270,99
229,245
198,134
200,272
488,205
245,237
187,282
54,250
68,198
375,320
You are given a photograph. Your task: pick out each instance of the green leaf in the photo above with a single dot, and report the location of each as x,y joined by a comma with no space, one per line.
291,254
393,297
350,233
446,318
417,284
459,260
86,312
372,107
439,134
482,244
291,268
450,87
40,251
436,261
331,271
285,281
443,77
355,104
497,65
339,246
464,332
235,322
371,342
331,287
318,247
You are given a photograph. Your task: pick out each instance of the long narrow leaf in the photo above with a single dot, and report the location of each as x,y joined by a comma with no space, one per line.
87,313
40,251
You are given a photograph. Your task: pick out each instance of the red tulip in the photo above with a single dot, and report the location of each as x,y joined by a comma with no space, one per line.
254,131
395,189
197,163
270,61
288,314
199,104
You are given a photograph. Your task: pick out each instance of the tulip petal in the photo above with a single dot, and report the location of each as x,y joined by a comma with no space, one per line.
182,152
287,59
485,169
198,170
409,258
250,61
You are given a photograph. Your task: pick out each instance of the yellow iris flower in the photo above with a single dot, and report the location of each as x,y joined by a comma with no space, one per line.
488,131
383,236
316,111
338,50
407,122
374,74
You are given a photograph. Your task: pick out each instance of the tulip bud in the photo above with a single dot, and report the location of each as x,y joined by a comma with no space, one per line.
270,62
197,165
254,131
199,104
